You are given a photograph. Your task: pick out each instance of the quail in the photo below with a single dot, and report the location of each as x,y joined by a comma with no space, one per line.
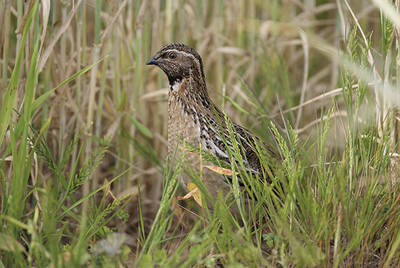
195,119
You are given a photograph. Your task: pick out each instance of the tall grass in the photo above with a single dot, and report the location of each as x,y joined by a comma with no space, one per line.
84,179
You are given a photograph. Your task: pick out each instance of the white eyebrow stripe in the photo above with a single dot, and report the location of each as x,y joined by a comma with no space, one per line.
186,54
183,52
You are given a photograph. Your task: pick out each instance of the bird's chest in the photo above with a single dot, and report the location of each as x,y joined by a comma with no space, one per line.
183,124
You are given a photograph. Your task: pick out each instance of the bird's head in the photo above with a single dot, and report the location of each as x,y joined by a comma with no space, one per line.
178,62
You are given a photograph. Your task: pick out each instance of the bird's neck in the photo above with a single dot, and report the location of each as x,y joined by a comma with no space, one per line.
191,91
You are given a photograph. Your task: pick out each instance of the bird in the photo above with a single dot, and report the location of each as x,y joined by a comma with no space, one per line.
195,119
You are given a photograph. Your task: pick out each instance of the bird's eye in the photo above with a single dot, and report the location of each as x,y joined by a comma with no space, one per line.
172,55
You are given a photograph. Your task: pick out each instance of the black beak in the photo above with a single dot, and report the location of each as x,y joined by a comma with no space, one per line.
152,61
